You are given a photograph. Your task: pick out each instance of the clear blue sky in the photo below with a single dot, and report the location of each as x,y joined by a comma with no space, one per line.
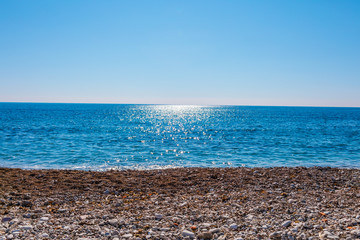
181,52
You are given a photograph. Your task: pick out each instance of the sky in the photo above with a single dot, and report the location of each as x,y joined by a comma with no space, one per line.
240,52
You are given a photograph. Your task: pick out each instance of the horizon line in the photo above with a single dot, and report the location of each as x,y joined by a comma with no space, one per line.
179,104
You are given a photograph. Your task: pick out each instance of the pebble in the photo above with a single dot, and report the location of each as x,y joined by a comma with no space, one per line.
234,226
291,201
26,227
223,237
44,219
6,219
187,233
355,233
205,236
206,225
286,223
275,235
129,235
215,230
84,217
327,235
158,216
16,231
27,204
113,222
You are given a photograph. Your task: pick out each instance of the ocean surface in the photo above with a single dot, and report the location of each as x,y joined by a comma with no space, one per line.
119,136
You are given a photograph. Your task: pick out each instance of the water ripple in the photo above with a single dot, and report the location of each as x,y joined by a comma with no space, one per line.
105,136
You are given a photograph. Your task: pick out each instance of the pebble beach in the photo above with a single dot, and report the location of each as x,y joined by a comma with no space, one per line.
181,203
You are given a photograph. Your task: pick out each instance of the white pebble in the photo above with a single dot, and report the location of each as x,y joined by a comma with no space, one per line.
187,233
129,235
44,219
286,223
215,230
84,217
113,222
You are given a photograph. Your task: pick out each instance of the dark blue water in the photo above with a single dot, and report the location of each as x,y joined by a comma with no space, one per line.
106,136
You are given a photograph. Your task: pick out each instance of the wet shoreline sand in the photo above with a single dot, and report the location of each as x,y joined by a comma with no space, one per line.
182,203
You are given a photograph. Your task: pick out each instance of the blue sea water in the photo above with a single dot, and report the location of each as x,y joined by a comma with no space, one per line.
118,136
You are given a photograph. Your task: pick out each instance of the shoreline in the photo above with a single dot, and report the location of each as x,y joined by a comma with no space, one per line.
116,169
181,203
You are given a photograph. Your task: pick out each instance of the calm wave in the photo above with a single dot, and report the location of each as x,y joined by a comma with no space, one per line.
108,136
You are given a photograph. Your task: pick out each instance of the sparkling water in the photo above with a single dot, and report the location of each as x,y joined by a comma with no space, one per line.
119,136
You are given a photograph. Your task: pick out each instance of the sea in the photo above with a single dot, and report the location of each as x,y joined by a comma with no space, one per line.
124,136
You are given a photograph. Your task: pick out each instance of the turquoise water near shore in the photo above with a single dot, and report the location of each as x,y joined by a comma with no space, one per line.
120,136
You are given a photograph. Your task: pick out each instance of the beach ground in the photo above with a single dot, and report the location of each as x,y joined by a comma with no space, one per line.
183,203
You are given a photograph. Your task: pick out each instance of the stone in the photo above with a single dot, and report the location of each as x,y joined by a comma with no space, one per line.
27,204
62,210
275,235
215,230
113,222
158,216
187,233
355,233
223,237
44,219
6,219
291,201
206,225
13,221
84,217
27,215
16,231
128,235
327,235
10,236
233,226
266,226
26,227
286,223
205,236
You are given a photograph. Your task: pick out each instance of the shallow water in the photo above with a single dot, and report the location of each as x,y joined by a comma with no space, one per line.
105,136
